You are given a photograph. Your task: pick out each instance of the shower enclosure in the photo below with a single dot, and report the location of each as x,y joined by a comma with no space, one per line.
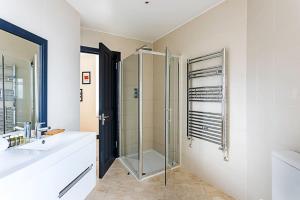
149,113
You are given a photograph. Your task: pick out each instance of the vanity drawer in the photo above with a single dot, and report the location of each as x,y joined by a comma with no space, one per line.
83,187
48,183
73,166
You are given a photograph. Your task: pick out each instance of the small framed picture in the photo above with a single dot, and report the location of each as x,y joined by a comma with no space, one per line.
86,77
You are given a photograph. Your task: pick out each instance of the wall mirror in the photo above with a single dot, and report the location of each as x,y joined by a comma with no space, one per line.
23,78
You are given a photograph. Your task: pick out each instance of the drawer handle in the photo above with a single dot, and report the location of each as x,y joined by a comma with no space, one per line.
76,180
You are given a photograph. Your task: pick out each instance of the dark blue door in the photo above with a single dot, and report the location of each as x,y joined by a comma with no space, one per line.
107,108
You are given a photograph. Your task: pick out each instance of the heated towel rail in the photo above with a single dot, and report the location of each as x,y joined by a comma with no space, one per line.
206,90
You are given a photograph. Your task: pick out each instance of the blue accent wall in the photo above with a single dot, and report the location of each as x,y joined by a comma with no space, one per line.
18,31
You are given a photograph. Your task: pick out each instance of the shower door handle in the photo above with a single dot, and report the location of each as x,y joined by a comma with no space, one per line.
102,117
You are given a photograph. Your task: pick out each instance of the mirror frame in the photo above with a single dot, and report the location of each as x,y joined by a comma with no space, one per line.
43,47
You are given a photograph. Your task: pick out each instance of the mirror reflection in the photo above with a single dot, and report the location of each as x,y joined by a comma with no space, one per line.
18,82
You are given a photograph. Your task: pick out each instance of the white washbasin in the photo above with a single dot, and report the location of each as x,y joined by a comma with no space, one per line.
50,142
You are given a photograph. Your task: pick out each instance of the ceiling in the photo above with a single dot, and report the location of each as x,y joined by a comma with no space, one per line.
136,19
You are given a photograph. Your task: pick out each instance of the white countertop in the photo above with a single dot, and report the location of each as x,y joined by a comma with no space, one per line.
16,162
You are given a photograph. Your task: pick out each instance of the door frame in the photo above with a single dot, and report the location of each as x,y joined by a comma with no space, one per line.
117,56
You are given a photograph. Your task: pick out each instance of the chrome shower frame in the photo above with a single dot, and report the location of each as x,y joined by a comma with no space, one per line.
140,52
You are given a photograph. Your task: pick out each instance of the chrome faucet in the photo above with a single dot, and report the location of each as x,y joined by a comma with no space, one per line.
39,130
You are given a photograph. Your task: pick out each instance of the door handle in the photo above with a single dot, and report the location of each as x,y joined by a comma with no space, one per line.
102,117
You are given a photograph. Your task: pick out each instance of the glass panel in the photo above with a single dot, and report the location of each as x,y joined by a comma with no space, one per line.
18,92
167,112
172,109
129,118
153,114
173,136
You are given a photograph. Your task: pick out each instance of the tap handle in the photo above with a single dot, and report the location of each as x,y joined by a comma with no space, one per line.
38,124
39,129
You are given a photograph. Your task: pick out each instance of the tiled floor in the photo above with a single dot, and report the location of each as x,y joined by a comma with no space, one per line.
117,185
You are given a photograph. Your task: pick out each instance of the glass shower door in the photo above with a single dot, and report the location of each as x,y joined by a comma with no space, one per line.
171,112
173,145
130,113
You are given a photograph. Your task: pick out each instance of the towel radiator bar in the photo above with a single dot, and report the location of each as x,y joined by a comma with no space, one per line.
208,126
205,94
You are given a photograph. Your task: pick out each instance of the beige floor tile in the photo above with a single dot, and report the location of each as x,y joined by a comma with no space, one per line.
182,185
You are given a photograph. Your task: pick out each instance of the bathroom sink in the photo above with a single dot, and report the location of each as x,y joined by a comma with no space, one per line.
50,142
41,144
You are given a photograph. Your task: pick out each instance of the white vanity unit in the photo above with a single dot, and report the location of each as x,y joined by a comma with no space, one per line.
62,166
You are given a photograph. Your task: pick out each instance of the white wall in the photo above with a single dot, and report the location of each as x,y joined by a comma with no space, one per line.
88,115
222,26
59,23
273,88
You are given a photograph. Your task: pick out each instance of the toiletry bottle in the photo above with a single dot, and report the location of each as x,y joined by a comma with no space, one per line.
17,140
12,141
27,130
21,139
